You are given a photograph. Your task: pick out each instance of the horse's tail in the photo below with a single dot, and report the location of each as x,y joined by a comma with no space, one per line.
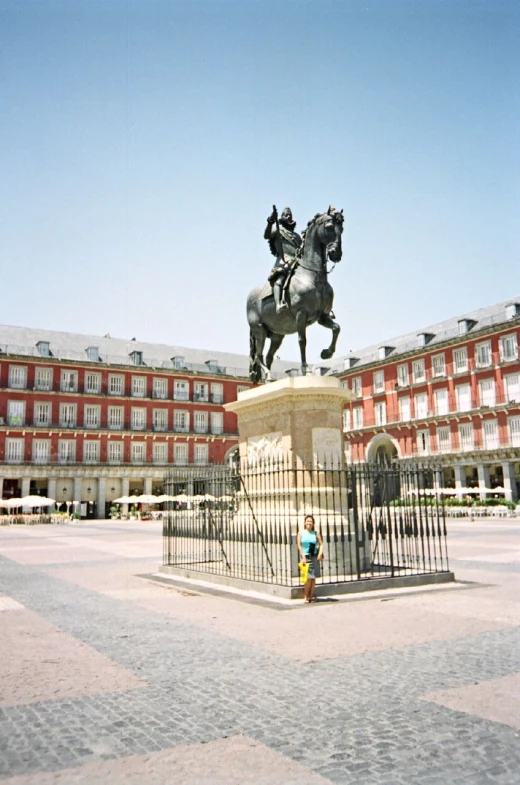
255,371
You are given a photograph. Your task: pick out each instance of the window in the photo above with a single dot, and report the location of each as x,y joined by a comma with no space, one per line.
160,452
115,452
138,452
444,438
137,358
18,377
201,391
160,419
138,386
90,451
92,416
44,348
180,453
423,442
357,387
41,450
419,374
357,416
67,415
69,381
483,354
178,362
512,387
217,422
513,427
66,451
346,420
421,406
380,413
486,389
15,413
439,365
14,450
405,412
181,391
463,396
181,422
92,383
217,393
201,453
42,414
116,417
138,419
403,379
160,388
440,399
43,379
508,347
93,354
200,422
466,436
379,381
460,360
490,431
116,384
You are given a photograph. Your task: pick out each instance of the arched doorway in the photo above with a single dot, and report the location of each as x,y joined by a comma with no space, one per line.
383,450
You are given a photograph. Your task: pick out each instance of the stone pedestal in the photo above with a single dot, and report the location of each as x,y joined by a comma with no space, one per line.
292,460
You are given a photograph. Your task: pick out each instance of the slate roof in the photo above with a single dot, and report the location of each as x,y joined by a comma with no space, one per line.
484,318
117,351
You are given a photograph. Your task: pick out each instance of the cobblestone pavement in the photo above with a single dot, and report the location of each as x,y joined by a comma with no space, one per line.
107,677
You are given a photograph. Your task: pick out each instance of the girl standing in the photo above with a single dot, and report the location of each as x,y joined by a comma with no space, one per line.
310,549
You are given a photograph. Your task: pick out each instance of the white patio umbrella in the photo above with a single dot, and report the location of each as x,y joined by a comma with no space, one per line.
165,498
182,498
11,504
498,489
36,501
123,500
147,499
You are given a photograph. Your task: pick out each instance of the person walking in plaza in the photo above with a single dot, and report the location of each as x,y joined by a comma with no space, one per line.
310,549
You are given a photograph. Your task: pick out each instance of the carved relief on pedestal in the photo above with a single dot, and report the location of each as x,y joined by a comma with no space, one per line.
267,447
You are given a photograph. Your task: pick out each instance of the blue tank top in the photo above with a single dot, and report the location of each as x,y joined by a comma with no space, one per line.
309,542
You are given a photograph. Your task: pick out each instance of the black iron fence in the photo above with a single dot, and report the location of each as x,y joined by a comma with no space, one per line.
242,521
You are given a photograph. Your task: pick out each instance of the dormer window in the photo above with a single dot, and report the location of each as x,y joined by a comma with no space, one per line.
424,338
93,354
465,325
512,310
384,351
137,358
293,372
213,365
44,348
350,362
178,362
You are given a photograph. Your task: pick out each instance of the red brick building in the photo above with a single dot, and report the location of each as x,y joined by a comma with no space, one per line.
89,419
451,391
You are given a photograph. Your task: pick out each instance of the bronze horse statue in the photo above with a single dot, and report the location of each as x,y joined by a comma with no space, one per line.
309,297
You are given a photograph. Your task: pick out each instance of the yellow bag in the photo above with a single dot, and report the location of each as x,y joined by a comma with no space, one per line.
304,571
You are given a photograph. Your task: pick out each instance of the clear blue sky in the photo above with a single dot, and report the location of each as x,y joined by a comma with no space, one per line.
142,144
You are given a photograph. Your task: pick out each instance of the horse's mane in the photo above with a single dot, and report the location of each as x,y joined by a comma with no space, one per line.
337,216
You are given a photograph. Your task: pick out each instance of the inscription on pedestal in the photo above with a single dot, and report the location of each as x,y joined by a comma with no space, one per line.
326,446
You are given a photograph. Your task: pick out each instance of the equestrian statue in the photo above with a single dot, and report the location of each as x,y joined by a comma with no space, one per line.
297,293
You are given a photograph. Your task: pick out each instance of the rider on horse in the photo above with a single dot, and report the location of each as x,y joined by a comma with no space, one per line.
284,242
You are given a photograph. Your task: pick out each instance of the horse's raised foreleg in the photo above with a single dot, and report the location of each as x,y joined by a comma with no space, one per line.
301,326
327,321
260,337
274,345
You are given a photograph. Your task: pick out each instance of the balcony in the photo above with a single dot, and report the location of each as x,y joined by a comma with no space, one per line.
159,395
160,427
201,397
217,398
67,424
179,395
